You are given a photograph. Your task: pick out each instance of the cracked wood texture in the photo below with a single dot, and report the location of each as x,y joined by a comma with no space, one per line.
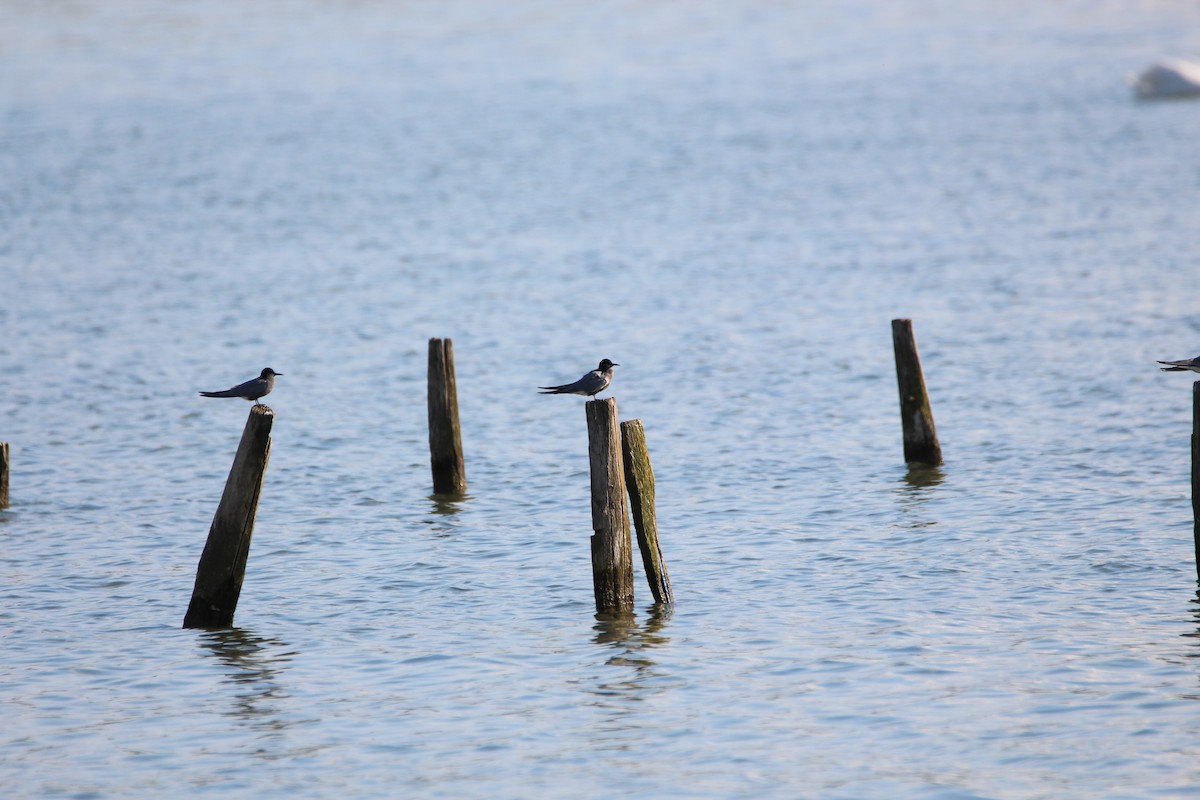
612,546
639,480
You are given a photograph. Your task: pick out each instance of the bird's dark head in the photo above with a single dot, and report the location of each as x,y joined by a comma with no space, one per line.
606,365
268,373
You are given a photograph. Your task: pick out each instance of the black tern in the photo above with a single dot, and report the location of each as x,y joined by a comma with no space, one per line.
1186,365
251,389
589,385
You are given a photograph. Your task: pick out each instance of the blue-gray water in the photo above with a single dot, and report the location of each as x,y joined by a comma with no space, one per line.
730,199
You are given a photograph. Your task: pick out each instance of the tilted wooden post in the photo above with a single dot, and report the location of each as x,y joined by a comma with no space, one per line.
1196,472
612,548
3,474
223,562
916,417
639,479
445,437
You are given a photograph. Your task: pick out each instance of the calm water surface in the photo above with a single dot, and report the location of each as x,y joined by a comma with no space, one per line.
732,200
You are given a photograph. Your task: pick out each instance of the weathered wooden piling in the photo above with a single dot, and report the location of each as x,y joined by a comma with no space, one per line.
223,562
1196,472
3,474
612,548
916,416
445,436
639,480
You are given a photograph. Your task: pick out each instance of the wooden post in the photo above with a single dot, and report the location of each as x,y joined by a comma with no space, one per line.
639,479
612,548
223,562
445,437
1196,472
3,474
916,417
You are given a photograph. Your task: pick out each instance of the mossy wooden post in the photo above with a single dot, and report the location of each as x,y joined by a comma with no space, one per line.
1196,472
639,479
445,437
916,417
612,547
3,474
223,562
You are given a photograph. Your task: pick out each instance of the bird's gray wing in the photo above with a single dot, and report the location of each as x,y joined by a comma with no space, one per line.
590,383
566,388
241,390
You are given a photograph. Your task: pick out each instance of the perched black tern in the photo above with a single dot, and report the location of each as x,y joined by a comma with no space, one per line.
589,385
1186,365
251,389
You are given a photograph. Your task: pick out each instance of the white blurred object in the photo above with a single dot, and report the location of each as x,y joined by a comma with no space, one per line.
1168,78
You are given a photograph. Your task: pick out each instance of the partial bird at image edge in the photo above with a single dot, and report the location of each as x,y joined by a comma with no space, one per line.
1183,365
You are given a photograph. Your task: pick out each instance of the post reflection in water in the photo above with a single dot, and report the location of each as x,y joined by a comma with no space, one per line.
621,629
922,476
446,504
620,694
442,510
1194,635
914,490
252,665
